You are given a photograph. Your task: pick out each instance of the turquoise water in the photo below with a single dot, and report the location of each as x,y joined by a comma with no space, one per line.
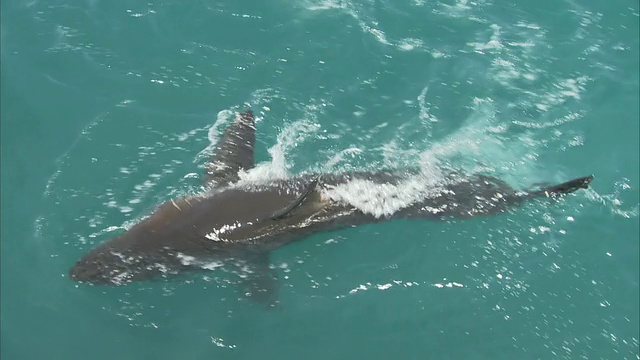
108,109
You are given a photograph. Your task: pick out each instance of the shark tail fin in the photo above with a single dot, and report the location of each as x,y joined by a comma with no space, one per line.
562,189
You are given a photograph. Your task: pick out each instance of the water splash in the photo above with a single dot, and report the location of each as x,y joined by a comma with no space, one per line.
278,168
612,201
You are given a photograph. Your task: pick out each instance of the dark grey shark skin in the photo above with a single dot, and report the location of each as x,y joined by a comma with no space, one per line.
246,223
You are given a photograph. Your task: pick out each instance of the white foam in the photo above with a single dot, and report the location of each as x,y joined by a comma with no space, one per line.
327,5
277,168
379,199
215,132
220,342
461,9
367,22
424,106
188,260
613,202
409,44
126,209
493,44
339,157
561,91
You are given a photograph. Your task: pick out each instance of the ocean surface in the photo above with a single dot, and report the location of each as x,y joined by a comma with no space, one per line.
110,108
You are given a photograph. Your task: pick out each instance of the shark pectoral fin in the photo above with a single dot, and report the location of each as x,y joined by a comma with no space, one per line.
234,151
261,284
282,213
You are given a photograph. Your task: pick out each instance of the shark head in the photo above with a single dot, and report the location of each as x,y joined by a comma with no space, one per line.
112,265
111,268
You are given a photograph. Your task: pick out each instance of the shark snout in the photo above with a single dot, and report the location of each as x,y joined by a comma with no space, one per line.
90,272
100,268
108,267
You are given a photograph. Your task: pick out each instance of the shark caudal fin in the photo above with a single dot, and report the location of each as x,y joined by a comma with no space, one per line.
562,189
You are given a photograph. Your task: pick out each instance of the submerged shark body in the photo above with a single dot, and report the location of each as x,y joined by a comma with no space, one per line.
246,222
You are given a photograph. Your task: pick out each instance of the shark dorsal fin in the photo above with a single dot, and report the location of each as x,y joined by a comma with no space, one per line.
234,151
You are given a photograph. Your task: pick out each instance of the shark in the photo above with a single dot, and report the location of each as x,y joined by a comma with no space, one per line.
235,221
